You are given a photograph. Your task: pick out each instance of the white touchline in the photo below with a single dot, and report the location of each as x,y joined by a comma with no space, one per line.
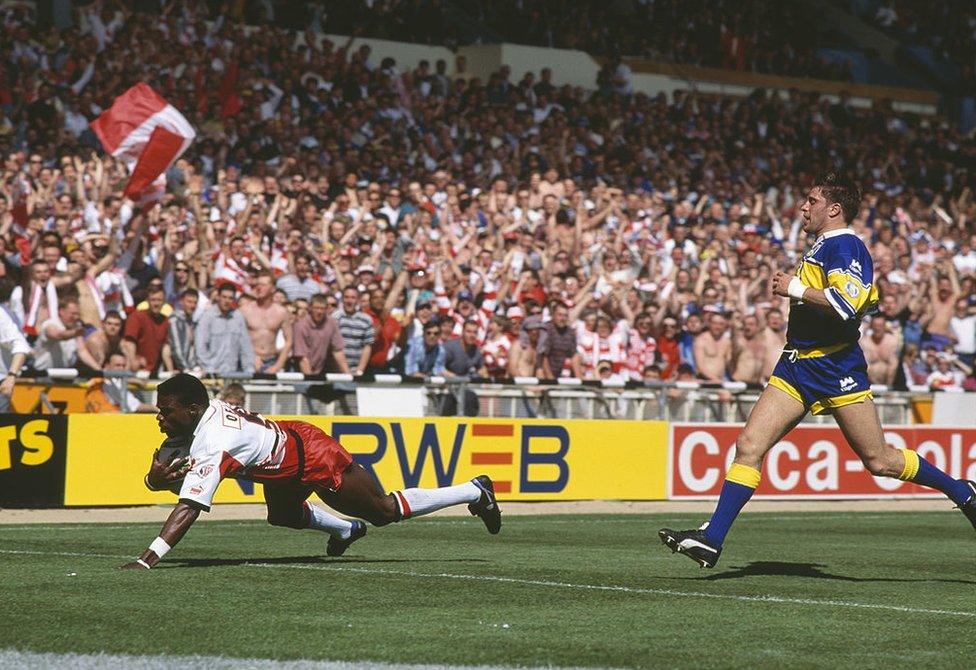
60,553
623,589
562,585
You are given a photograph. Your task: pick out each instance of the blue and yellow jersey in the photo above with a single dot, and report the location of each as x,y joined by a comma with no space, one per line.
839,264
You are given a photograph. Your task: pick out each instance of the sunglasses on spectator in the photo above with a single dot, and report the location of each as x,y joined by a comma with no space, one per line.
179,269
219,230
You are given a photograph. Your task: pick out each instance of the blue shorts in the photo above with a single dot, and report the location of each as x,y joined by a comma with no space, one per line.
823,378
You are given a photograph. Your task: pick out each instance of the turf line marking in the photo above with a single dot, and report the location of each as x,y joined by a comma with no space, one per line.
26,552
13,659
622,589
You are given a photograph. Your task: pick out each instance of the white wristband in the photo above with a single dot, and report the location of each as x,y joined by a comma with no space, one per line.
796,288
159,547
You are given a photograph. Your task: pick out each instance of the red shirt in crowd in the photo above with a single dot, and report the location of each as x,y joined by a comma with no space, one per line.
149,333
387,332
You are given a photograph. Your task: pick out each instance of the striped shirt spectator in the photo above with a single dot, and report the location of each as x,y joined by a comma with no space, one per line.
357,331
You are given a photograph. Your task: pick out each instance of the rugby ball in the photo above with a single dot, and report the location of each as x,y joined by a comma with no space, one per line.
173,448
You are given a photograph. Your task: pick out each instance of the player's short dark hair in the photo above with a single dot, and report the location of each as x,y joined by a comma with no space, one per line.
187,389
842,190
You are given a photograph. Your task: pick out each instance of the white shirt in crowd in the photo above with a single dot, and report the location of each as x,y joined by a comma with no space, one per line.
11,341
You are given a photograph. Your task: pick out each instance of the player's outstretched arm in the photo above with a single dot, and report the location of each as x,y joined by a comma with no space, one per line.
179,521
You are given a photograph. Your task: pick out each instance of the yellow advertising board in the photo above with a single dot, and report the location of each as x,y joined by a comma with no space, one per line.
529,460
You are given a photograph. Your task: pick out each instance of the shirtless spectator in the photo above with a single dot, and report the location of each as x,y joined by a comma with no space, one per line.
943,291
713,349
523,357
748,352
881,352
94,350
265,318
774,340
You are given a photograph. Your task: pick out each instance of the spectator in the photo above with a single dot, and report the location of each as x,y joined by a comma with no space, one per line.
963,329
425,353
94,349
748,352
266,322
357,331
57,343
558,353
222,341
881,352
109,396
318,341
182,327
713,349
146,334
13,355
300,284
234,395
385,326
523,360
462,357
948,374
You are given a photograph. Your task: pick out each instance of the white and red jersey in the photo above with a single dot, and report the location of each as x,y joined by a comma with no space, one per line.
227,270
641,352
231,442
496,353
593,349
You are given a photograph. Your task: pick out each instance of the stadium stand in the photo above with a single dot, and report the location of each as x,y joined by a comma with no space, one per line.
417,196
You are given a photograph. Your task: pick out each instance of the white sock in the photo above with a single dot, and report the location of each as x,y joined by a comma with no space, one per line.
417,502
319,519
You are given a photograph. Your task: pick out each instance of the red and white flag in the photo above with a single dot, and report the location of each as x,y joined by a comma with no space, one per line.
148,134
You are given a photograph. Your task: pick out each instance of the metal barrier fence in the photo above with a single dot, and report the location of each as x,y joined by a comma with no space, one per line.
294,394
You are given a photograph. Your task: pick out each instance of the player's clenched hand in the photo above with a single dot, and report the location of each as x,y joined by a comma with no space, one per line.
162,475
781,282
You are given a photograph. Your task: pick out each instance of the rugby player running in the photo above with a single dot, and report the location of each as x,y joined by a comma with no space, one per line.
293,459
822,370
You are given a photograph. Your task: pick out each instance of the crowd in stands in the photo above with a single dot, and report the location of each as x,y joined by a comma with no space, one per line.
947,28
771,37
338,214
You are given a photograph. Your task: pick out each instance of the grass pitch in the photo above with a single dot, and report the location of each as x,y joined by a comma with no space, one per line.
791,590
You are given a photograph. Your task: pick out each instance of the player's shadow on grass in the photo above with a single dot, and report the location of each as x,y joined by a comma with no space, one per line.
814,570
305,560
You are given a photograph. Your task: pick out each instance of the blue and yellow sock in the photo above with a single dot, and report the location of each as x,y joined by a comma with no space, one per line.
920,471
740,483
